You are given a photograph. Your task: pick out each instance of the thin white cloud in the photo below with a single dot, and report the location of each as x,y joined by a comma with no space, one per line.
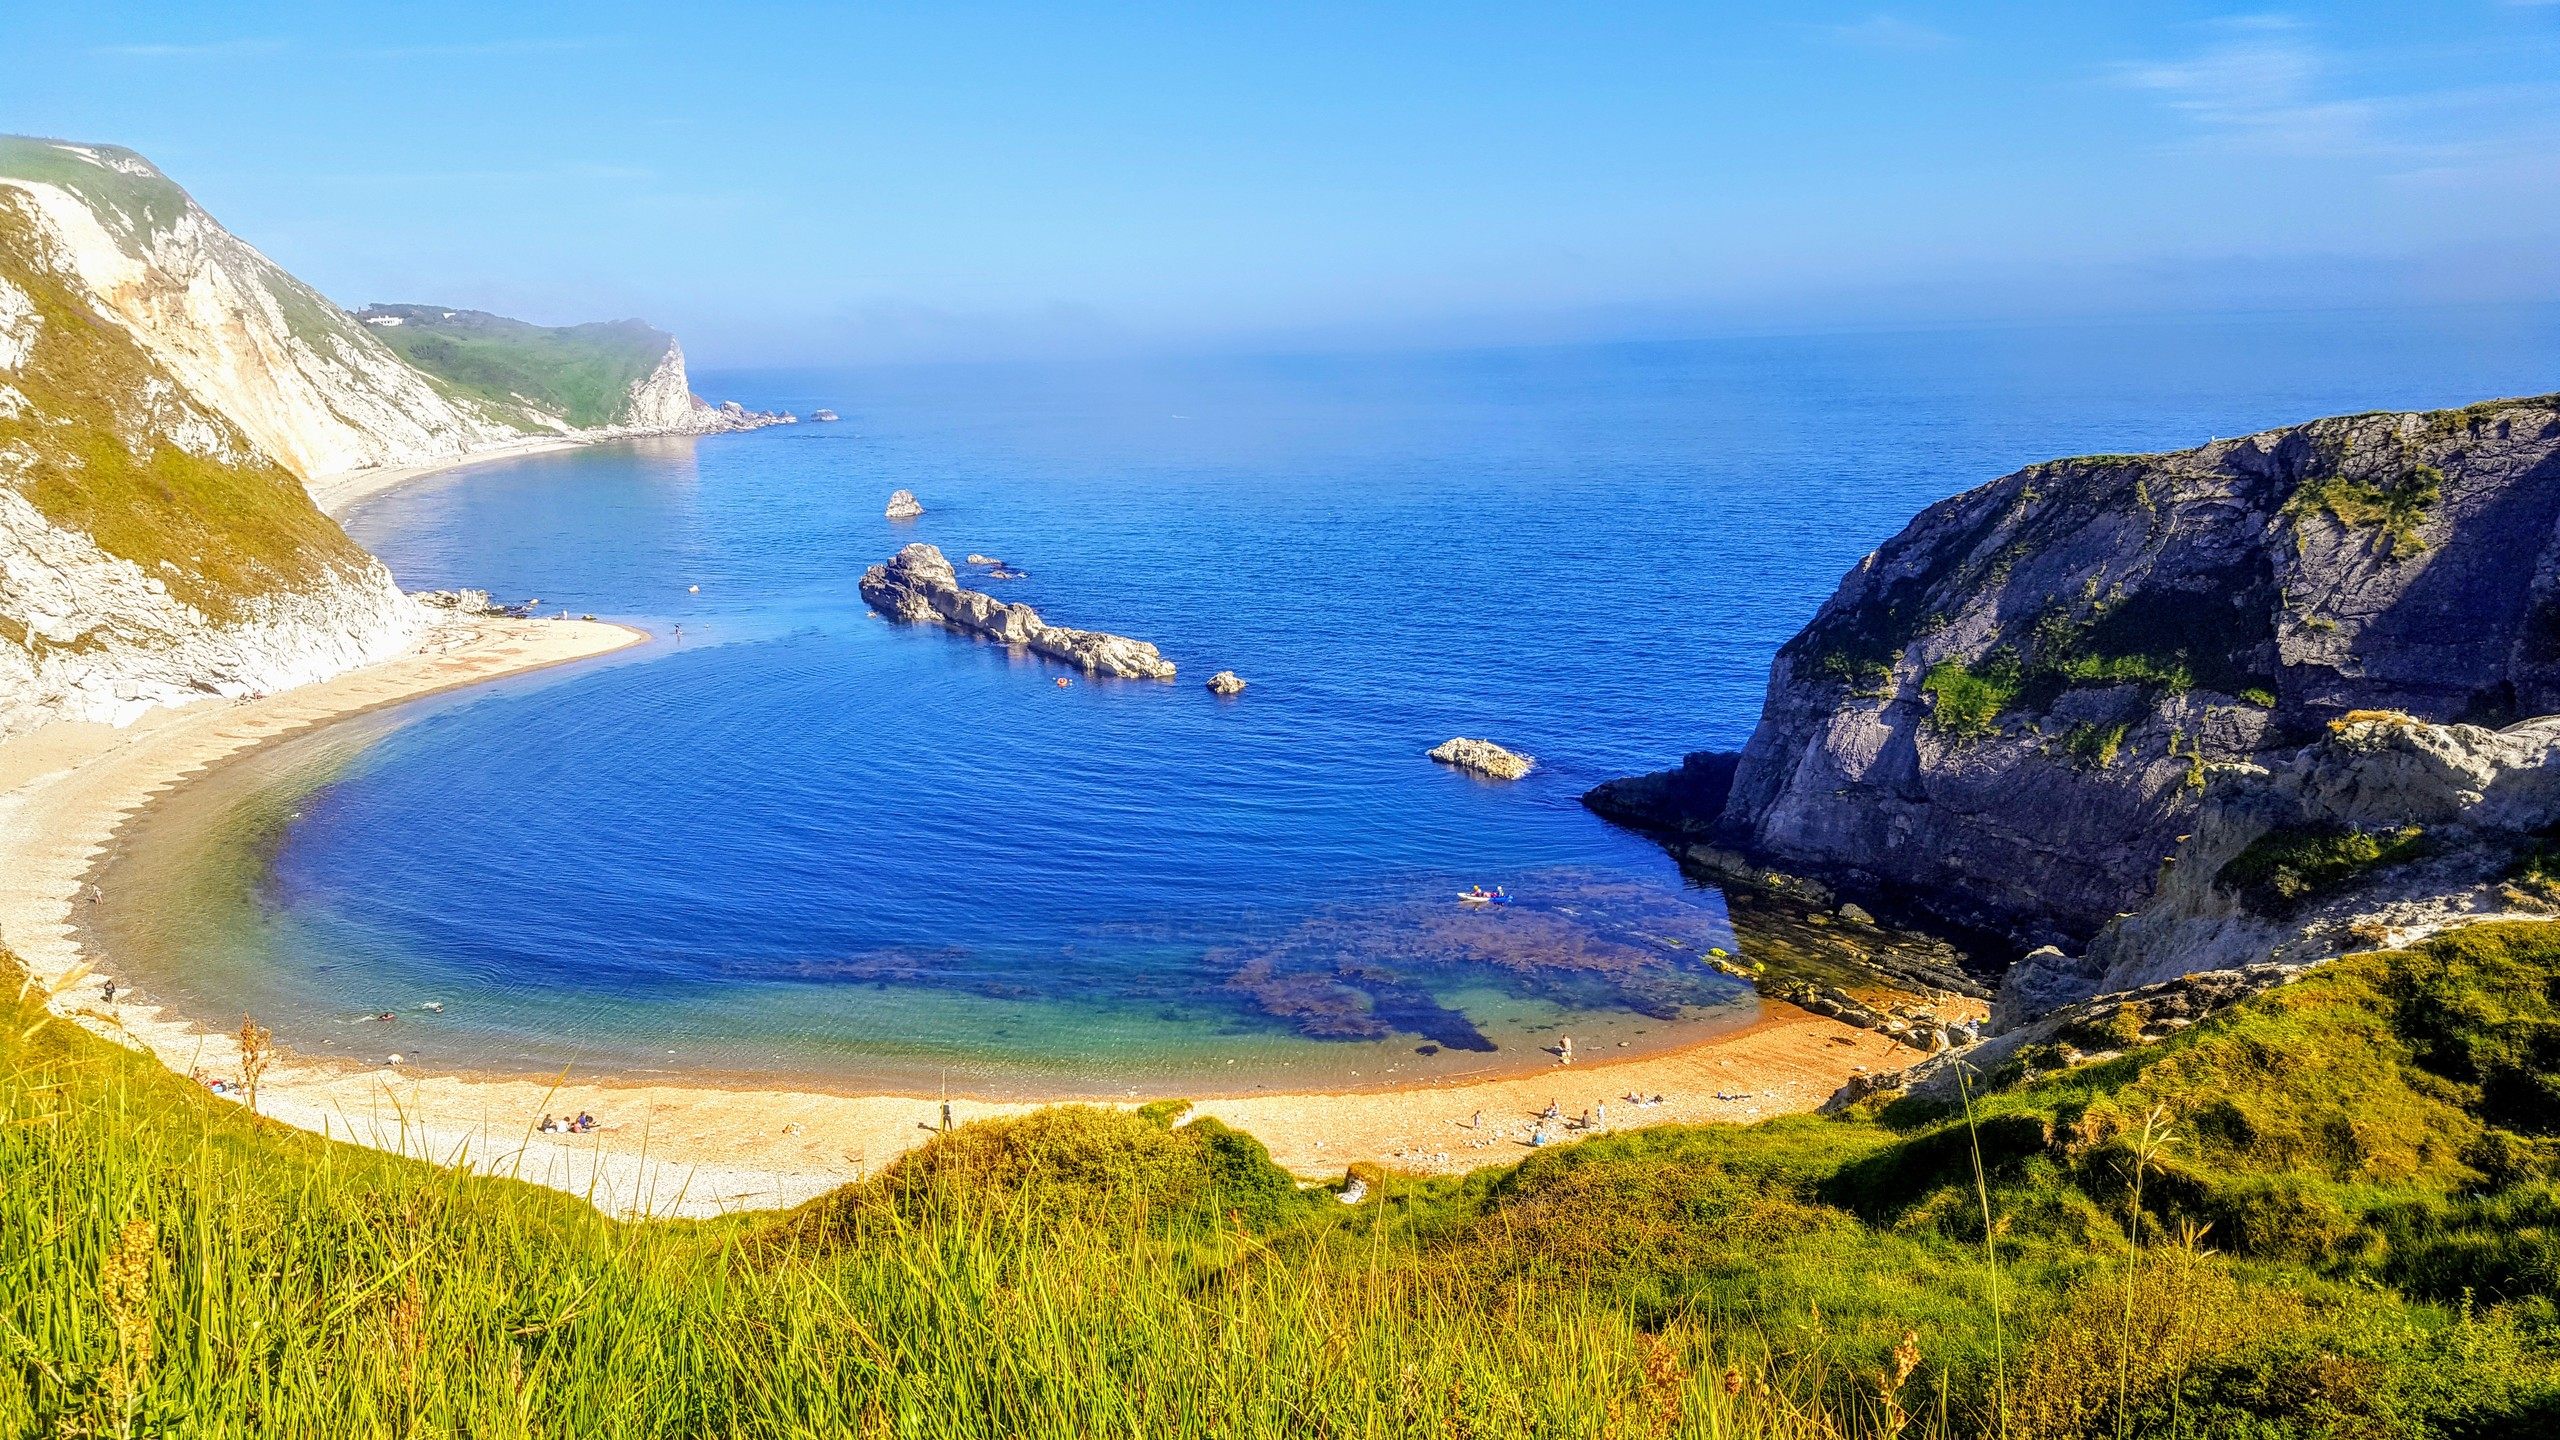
199,50
2263,84
563,173
456,50
481,49
1881,31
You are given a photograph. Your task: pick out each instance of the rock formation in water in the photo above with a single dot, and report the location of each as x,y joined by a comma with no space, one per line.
824,416
903,505
919,584
1483,757
2009,714
1226,682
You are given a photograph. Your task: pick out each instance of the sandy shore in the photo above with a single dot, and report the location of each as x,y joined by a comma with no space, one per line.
672,1149
336,494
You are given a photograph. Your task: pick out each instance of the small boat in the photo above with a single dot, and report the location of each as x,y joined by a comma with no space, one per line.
1482,896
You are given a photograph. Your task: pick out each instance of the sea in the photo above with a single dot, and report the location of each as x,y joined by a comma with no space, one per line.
790,842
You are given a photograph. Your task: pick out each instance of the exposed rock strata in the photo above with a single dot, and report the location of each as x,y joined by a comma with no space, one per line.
918,584
310,386
2454,816
150,554
1483,757
2005,715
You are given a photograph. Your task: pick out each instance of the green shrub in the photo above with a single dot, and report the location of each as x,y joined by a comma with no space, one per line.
2095,746
1967,700
2396,507
2286,867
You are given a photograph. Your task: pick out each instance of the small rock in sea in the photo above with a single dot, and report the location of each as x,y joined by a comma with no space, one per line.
903,505
1226,682
822,413
1483,757
977,559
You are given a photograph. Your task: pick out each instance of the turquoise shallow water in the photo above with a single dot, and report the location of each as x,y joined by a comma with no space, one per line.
803,841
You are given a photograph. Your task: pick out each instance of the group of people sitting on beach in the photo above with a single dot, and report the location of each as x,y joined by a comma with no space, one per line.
580,1126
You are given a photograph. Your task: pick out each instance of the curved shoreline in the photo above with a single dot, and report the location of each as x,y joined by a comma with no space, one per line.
703,1147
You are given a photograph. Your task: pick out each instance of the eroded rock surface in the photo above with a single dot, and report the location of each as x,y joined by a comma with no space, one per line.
903,505
2006,715
919,584
1483,757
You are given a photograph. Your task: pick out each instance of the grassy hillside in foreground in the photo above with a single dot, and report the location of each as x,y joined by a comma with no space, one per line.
2348,1225
582,374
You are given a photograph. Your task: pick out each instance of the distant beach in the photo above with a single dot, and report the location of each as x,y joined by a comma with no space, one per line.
336,494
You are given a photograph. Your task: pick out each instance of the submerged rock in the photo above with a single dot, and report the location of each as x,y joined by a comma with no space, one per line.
903,505
1483,757
1226,682
919,584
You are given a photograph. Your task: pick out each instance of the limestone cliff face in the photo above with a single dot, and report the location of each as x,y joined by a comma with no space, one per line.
150,552
613,377
664,399
2384,830
306,384
2007,715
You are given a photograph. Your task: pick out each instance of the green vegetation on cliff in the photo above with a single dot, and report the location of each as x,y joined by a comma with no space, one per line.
96,454
2333,1210
2286,867
581,374
2395,506
130,197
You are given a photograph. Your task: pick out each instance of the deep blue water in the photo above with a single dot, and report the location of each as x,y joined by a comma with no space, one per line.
803,839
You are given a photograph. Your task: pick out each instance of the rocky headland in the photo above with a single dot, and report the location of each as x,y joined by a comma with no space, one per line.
918,584
2236,709
2006,714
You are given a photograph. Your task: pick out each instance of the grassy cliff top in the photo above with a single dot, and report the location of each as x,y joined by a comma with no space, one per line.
129,195
98,447
581,374
2332,1210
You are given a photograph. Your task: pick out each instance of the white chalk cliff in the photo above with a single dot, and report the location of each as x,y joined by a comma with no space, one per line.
150,552
165,392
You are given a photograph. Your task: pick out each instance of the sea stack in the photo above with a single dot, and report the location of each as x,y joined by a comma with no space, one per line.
1226,682
919,584
1483,757
903,505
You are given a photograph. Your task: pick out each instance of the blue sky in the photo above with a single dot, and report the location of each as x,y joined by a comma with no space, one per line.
866,181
